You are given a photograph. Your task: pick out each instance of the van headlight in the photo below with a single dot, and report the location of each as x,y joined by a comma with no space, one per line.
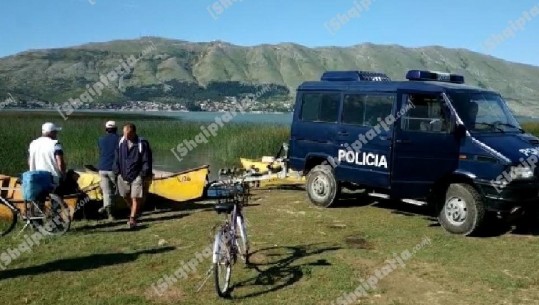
520,172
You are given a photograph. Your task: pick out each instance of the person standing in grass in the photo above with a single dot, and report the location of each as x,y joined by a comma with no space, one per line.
107,147
133,165
46,153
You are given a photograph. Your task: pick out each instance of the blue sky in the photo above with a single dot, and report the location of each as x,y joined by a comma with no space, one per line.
32,24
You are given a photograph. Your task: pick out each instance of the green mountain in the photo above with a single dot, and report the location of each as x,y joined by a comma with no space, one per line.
173,70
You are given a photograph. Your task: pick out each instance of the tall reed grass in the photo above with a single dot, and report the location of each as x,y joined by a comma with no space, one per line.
81,132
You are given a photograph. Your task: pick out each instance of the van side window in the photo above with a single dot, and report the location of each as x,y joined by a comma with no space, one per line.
365,110
426,116
320,107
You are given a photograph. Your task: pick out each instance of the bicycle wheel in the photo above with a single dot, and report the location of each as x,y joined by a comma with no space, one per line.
222,263
242,241
53,218
8,217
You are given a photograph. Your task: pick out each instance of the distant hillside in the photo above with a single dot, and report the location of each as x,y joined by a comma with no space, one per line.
174,70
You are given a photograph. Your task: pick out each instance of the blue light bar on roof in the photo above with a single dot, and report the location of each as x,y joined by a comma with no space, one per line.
418,75
345,76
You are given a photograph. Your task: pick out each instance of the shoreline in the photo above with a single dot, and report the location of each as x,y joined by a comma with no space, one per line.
272,118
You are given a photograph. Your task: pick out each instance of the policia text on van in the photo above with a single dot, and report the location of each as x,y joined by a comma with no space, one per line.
446,150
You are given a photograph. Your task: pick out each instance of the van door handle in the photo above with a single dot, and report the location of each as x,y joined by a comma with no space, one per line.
384,138
401,141
343,133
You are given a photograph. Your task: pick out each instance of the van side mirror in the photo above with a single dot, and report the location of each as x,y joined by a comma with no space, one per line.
460,131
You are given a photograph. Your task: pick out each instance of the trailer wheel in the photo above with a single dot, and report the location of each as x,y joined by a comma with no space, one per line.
322,187
463,211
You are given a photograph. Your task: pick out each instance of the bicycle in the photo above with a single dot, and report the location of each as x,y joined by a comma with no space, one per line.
231,237
49,214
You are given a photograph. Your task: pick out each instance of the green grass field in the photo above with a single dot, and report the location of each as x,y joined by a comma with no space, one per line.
302,254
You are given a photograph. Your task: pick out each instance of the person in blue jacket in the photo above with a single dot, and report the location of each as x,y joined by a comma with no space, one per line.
133,165
108,144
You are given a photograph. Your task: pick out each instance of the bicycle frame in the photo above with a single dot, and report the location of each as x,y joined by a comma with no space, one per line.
232,195
28,215
234,228
229,228
28,205
9,205
18,211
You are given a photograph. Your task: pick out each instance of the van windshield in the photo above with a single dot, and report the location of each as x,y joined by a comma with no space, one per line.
484,112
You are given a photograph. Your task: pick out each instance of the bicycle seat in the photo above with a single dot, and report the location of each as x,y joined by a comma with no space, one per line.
224,208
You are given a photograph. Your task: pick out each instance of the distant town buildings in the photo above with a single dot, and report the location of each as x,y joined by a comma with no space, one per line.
248,104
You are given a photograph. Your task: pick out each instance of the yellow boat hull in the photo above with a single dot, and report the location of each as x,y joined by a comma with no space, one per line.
170,187
183,186
12,191
8,191
178,187
89,183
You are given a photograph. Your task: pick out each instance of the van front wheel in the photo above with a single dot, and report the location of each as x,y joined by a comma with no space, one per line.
322,187
463,211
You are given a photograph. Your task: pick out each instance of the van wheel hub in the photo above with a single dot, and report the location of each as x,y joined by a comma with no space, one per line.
456,211
320,186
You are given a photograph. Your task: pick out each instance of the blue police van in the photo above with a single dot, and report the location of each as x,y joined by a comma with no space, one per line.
429,140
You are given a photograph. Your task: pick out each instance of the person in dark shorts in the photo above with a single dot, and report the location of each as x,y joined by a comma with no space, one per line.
133,166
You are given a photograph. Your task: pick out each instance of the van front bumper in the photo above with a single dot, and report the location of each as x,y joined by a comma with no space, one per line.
514,195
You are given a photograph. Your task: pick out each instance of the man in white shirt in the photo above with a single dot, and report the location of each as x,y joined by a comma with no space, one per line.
46,154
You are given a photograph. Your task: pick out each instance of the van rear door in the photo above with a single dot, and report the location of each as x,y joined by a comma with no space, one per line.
314,127
364,151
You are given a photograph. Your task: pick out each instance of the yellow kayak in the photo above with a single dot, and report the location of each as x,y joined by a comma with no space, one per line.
273,177
275,181
260,166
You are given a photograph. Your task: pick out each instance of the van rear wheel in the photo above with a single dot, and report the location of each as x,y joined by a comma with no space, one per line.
322,187
463,211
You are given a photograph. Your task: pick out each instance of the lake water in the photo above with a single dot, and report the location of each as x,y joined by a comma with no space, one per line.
261,118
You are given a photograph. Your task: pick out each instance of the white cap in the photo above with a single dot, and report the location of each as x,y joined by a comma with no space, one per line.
110,124
49,127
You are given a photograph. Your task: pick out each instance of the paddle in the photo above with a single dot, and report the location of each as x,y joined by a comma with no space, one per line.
91,168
